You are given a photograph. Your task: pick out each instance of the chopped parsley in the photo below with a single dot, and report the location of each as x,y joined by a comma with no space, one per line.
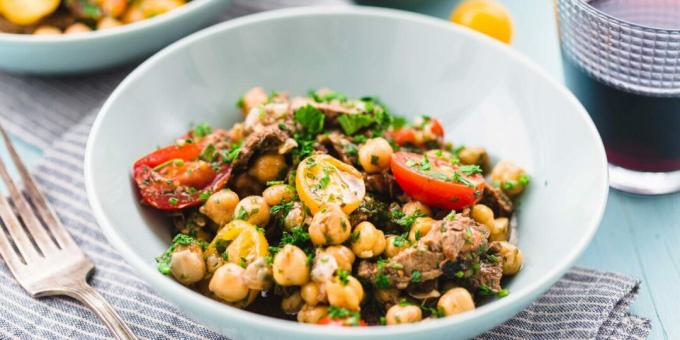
382,280
457,177
351,123
241,214
401,240
272,183
282,208
173,200
524,180
352,318
327,96
406,221
230,154
470,170
415,276
202,130
163,261
484,290
404,302
374,159
208,153
204,195
343,275
311,119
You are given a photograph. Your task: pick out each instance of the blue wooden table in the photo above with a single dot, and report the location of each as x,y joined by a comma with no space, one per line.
639,236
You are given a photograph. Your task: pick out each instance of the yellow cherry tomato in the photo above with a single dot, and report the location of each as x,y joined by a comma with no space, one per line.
322,179
239,239
485,16
27,12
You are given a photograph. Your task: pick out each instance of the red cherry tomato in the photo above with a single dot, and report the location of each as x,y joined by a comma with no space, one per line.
418,135
173,177
436,182
342,322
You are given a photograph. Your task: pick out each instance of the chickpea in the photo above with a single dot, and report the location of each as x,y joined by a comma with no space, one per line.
367,240
252,209
324,267
312,314
267,167
226,283
292,303
484,215
512,257
47,30
344,256
254,97
296,216
290,266
403,314
456,301
511,178
329,226
245,185
313,293
413,207
220,206
420,228
499,232
77,27
395,244
375,154
474,155
387,295
108,22
187,265
213,261
345,293
258,275
279,193
133,13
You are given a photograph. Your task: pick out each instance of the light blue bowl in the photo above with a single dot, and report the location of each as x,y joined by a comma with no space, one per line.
484,93
80,53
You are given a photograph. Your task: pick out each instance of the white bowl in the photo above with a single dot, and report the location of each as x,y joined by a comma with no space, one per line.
484,93
96,50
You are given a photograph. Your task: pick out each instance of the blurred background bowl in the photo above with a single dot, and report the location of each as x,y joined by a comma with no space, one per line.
96,50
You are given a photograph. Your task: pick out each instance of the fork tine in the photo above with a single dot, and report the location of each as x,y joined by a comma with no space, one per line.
42,239
23,243
11,257
60,234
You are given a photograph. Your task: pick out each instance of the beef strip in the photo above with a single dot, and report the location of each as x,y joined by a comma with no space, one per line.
267,139
497,200
453,237
489,275
383,184
401,267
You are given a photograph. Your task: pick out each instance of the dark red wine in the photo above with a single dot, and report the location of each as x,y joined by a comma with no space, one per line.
640,132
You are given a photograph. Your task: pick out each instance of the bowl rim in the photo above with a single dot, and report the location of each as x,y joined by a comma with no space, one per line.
162,284
159,20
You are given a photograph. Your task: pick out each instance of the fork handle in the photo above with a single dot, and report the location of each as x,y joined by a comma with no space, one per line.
91,298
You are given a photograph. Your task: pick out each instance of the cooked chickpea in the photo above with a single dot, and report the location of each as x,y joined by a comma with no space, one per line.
227,284
187,264
483,214
312,314
395,244
47,30
267,167
258,275
413,207
290,266
367,240
375,154
108,22
133,13
474,155
279,193
456,301
329,226
420,228
78,27
252,209
323,267
220,206
313,293
292,303
500,229
254,97
512,257
403,314
344,256
511,178
345,293
296,216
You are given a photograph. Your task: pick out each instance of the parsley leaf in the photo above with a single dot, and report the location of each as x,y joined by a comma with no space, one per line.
470,170
202,130
415,276
311,119
351,123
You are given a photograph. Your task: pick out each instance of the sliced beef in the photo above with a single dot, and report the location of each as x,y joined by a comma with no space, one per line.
401,267
497,200
489,275
383,184
267,139
453,237
340,146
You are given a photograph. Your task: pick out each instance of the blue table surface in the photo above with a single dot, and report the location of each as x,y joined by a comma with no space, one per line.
639,236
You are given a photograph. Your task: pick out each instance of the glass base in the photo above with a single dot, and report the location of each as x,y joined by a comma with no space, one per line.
644,183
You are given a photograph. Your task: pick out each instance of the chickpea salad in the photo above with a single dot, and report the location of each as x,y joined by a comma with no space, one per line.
334,211
56,17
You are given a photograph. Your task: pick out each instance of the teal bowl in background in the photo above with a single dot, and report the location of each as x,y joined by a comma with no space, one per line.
80,53
484,93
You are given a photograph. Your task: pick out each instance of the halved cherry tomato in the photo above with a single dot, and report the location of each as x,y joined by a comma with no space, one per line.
420,134
342,322
322,179
173,177
436,182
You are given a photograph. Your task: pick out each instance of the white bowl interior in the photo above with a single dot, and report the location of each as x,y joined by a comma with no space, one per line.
484,93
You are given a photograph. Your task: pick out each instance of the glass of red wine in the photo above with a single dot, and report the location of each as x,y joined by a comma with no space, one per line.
622,60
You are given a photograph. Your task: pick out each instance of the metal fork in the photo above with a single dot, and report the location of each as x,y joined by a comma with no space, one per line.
40,252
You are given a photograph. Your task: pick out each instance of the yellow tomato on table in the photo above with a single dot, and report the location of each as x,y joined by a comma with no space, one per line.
322,179
485,16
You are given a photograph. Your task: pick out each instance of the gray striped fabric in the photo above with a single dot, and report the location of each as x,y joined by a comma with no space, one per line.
55,115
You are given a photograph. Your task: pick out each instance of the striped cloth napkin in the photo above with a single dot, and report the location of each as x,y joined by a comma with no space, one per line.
55,115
